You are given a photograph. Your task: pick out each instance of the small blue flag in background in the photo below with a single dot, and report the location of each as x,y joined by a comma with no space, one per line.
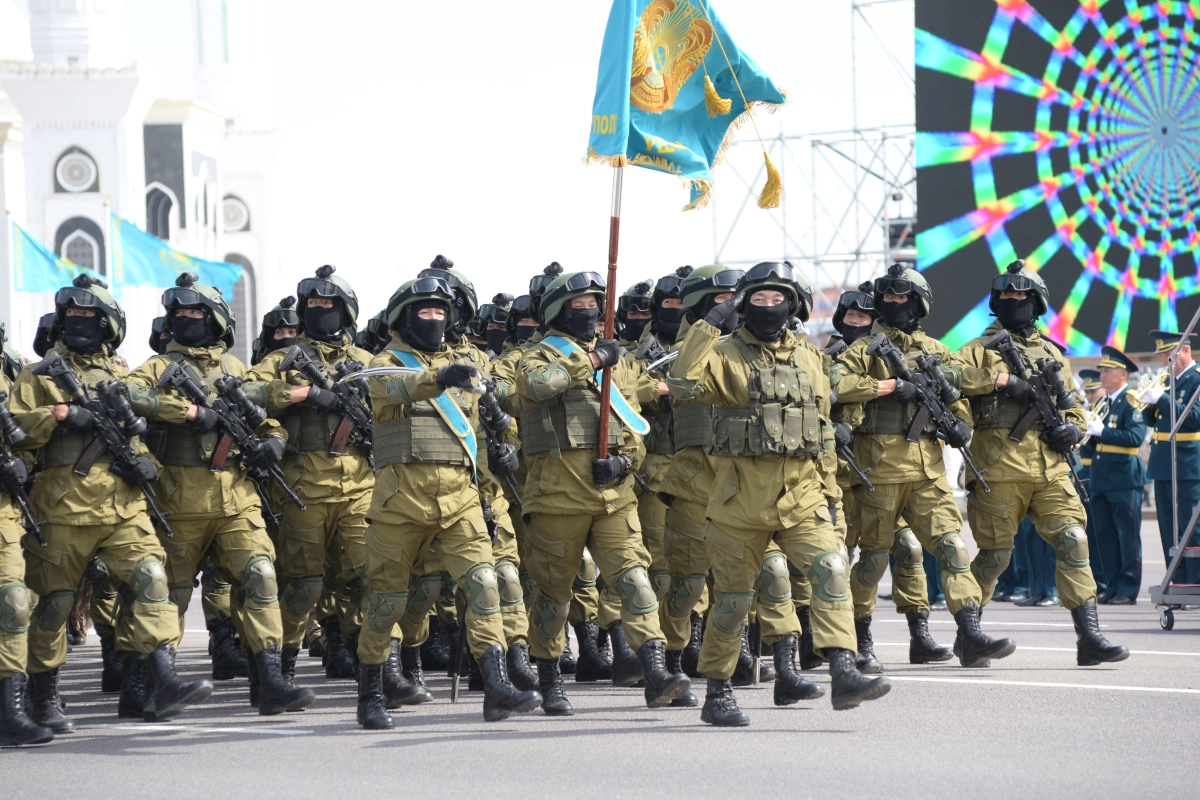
666,67
142,259
36,268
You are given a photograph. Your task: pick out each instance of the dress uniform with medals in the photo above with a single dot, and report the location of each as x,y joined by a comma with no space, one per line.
1089,381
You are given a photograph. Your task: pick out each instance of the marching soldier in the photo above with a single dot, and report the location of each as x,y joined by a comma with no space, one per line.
1117,477
280,326
102,513
771,405
1027,464
214,512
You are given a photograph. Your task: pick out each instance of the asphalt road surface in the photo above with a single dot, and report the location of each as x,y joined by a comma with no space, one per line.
1033,726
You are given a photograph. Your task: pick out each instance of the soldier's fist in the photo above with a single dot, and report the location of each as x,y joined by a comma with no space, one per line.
461,376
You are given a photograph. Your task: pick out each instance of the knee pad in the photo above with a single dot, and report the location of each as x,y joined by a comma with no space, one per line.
730,609
952,555
685,593
829,577
423,594
54,609
549,618
181,596
258,581
1071,547
149,582
14,608
776,585
511,593
97,574
588,574
385,610
661,581
990,564
483,590
302,595
637,595
871,566
907,549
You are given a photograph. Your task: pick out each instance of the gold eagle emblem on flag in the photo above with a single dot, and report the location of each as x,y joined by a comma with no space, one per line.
670,42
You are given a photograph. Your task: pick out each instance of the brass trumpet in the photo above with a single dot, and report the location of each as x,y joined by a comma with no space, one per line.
1098,412
1160,380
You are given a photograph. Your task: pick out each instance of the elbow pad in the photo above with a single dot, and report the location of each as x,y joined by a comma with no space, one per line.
548,382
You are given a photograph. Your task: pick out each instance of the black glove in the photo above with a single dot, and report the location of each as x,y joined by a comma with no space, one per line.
723,317
905,392
611,469
462,376
266,455
323,400
13,474
206,419
843,435
141,471
1063,438
960,435
1016,389
78,419
608,352
504,460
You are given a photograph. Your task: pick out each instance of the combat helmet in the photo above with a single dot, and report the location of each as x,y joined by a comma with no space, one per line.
466,303
635,298
904,280
157,328
188,292
89,292
565,288
1016,278
860,299
326,284
706,282
430,288
538,284
781,276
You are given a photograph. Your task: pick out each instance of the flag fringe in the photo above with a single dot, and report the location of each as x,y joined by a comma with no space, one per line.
592,157
736,125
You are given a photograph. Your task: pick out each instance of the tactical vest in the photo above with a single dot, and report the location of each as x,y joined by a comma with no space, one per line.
310,430
996,410
886,417
658,441
180,444
65,447
781,419
423,437
693,425
572,424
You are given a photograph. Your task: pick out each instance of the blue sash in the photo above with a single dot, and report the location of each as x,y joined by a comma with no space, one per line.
617,401
447,409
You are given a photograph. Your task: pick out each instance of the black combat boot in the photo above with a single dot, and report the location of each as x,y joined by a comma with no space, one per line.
255,683
45,706
371,713
566,661
866,662
275,695
475,676
170,695
603,645
500,697
316,644
790,685
338,662
133,687
15,725
922,649
1091,648
661,686
519,671
743,673
851,687
433,652
808,656
973,647
287,664
720,707
228,658
674,666
352,649
110,673
691,653
397,691
591,664
625,668
410,667
554,698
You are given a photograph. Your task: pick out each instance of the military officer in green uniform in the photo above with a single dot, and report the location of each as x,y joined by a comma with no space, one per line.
101,514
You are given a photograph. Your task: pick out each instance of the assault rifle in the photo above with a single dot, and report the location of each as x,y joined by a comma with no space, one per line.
934,393
351,397
13,436
108,432
494,420
1048,396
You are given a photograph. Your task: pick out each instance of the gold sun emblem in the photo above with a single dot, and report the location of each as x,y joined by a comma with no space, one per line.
670,42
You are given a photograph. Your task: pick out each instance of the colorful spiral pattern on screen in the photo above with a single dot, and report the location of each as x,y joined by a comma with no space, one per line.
1117,123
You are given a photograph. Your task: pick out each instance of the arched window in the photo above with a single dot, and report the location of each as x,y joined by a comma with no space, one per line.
75,171
80,248
81,240
160,205
244,305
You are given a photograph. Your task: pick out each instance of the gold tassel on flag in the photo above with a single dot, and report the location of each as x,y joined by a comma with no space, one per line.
716,105
772,193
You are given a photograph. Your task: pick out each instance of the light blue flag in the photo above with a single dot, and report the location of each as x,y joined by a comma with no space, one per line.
650,108
142,259
36,268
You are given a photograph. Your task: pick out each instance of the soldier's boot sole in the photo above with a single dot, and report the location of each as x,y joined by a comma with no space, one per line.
788,693
672,687
851,697
739,719
922,654
166,707
300,700
686,700
372,721
1090,655
982,657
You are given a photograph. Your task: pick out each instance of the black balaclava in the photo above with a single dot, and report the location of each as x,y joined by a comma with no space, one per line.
766,322
666,322
1017,315
424,334
902,316
524,333
281,342
191,332
579,322
323,323
83,334
852,333
496,339
635,327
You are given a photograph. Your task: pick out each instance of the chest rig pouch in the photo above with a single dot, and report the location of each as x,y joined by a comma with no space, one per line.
781,419
995,410
693,424
884,416
181,445
422,437
658,441
310,430
65,447
572,424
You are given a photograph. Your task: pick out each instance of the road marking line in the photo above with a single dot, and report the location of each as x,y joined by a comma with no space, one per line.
150,728
1047,684
990,623
1063,650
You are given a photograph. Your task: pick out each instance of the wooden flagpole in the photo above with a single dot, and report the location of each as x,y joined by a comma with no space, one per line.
610,304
